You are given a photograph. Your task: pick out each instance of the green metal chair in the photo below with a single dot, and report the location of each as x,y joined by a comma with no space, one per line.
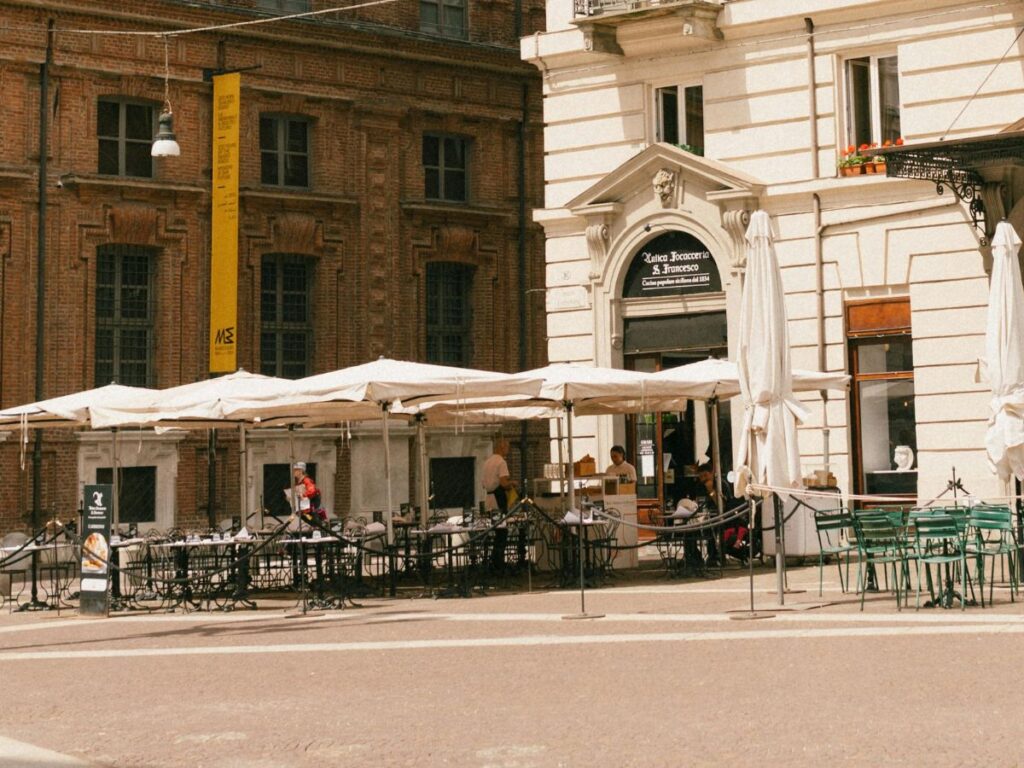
831,526
880,541
940,542
991,535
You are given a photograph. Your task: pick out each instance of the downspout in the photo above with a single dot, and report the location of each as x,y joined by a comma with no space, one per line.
819,277
521,255
44,142
812,100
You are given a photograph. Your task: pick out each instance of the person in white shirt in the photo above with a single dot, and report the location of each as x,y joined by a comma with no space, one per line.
497,482
619,467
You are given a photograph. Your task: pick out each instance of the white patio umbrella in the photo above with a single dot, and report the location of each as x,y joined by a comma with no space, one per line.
765,377
197,405
72,410
1004,347
371,390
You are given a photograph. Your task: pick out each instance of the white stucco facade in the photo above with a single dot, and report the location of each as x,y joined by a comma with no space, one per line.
774,127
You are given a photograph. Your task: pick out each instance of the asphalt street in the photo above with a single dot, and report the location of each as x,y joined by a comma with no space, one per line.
668,677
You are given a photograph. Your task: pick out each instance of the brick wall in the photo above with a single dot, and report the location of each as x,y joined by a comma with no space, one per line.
371,86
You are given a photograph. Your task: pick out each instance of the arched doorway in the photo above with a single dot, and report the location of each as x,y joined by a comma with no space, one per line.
662,330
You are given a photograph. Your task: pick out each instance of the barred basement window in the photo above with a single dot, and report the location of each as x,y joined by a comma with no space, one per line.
124,315
286,331
449,313
443,17
284,151
445,168
125,131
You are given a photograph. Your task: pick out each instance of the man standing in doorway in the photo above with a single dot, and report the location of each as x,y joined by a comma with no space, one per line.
497,483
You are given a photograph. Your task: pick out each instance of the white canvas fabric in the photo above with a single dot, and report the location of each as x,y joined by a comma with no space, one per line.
771,413
70,410
721,378
1004,338
196,405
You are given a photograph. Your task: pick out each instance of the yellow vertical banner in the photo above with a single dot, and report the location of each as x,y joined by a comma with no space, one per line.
224,225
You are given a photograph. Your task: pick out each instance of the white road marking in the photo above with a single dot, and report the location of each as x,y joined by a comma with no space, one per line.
19,754
527,641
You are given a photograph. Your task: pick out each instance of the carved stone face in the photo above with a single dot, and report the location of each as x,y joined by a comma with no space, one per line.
903,457
664,183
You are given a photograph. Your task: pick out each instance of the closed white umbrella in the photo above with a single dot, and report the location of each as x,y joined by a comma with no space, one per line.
771,412
1004,347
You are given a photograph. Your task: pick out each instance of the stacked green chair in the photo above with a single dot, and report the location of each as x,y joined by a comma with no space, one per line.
880,542
940,541
991,535
832,525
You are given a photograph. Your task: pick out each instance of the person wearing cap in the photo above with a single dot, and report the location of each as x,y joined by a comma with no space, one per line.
304,486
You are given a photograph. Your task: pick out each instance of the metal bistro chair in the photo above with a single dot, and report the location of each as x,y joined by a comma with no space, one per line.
880,542
19,563
940,542
832,526
990,534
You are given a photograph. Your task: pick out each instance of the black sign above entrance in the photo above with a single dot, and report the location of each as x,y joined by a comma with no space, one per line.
671,264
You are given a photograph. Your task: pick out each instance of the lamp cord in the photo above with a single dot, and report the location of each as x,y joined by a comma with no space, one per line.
976,92
167,75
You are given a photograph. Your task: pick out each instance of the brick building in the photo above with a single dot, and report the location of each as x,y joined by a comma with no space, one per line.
389,159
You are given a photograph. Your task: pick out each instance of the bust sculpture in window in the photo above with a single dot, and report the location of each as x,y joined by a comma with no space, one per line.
903,454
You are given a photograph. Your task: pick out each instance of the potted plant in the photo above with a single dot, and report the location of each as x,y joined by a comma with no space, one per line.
878,160
851,164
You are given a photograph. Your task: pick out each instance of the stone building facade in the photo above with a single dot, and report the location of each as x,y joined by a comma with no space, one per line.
676,120
389,157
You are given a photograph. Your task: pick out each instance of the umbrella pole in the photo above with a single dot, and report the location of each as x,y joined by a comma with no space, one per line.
421,440
301,547
243,517
116,483
561,464
385,408
582,531
780,550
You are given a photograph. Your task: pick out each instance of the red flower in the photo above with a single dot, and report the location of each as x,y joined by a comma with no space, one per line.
899,142
864,146
887,143
851,149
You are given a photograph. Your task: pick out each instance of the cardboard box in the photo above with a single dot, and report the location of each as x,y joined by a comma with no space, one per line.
585,467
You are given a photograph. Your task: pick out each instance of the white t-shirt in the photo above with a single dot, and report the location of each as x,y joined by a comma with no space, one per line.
625,471
495,468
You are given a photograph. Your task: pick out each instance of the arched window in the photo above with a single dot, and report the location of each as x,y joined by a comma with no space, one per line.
449,315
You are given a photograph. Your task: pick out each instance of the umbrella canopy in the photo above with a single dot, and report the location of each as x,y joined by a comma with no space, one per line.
721,378
200,404
70,410
765,372
344,395
1004,338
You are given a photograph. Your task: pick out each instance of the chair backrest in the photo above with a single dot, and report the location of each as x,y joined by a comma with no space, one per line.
934,530
830,524
225,525
613,518
23,562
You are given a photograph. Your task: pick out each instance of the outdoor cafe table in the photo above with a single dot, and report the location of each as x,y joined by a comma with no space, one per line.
329,583
118,600
459,579
220,551
592,530
33,552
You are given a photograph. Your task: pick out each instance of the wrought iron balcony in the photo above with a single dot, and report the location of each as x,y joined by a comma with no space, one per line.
610,25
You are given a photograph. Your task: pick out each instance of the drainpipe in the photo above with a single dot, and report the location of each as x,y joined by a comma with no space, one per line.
524,107
812,101
819,276
44,133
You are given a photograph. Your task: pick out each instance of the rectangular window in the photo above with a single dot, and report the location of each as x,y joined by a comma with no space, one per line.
276,478
125,132
443,17
283,6
445,168
882,363
124,315
680,122
453,482
136,493
284,151
449,313
286,330
872,100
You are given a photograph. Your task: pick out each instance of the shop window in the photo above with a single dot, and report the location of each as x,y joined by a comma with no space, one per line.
445,168
125,133
124,315
680,121
872,100
882,364
443,17
286,328
449,320
453,482
284,151
136,493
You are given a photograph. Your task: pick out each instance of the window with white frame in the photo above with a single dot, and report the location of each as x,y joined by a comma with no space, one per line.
872,100
680,116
